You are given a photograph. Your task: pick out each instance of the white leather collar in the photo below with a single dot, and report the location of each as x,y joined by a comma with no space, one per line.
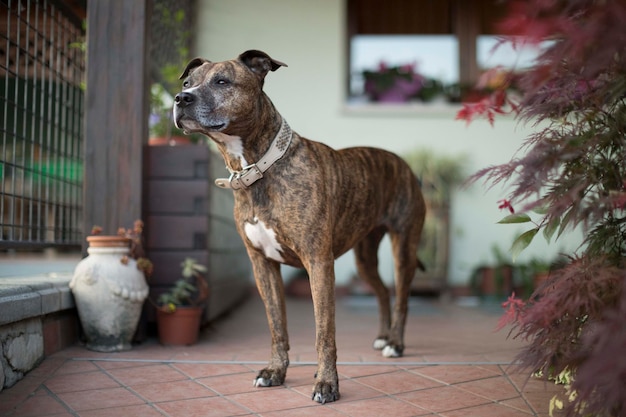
252,173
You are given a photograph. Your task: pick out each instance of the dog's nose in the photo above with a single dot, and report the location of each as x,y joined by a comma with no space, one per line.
184,99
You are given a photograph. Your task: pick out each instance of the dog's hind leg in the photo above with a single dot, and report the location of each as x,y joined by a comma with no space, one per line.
404,246
366,256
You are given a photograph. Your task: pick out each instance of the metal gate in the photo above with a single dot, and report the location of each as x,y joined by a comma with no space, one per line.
42,66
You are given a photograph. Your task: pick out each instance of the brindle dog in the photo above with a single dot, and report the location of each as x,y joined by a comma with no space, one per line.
302,203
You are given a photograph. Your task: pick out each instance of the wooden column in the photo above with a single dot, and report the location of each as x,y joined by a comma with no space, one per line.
116,114
467,28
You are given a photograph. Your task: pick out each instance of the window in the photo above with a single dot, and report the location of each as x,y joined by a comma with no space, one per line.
445,44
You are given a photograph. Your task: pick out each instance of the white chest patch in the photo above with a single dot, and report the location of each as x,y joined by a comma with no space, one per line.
264,238
234,146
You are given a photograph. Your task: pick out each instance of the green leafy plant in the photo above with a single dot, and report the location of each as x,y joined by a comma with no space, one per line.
168,84
190,290
439,175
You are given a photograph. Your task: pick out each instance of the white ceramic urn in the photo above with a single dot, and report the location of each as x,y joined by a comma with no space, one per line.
109,292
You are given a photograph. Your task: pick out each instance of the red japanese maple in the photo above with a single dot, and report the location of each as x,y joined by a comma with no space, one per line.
573,167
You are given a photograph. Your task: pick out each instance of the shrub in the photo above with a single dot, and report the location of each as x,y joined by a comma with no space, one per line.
572,170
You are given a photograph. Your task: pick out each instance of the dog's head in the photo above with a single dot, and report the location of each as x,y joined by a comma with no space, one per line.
219,96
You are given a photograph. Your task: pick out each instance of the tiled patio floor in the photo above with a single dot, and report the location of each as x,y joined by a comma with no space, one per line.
454,365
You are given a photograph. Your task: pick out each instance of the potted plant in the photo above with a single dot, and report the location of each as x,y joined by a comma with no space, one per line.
494,282
530,275
180,309
109,287
439,176
393,84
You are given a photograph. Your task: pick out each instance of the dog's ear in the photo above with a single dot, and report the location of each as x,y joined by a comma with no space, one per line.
194,63
260,63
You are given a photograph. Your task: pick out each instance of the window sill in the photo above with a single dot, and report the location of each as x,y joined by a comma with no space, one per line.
442,110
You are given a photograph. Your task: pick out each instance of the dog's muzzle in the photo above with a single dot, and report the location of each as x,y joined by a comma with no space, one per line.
181,101
184,99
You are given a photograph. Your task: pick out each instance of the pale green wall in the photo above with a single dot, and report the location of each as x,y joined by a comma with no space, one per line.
309,37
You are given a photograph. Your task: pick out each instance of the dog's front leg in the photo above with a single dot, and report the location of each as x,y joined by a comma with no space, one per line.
322,279
270,285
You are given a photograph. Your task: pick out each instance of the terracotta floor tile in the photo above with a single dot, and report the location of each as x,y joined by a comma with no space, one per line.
453,374
39,404
300,375
225,354
132,410
398,382
259,355
496,388
173,390
442,399
15,395
43,413
201,370
120,364
376,407
202,407
80,382
315,410
518,403
230,384
48,366
489,410
72,367
271,399
147,374
355,371
100,398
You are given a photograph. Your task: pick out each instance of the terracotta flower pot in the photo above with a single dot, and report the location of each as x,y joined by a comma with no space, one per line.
180,327
171,141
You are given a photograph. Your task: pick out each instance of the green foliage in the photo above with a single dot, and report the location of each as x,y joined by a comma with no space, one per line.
168,84
180,294
522,242
191,268
188,290
439,174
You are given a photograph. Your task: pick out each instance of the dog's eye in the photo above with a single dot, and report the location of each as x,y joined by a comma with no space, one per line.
222,81
186,84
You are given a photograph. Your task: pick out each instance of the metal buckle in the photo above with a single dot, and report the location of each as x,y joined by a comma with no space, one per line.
252,171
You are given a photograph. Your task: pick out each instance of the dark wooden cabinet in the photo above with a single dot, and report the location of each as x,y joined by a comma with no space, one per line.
186,215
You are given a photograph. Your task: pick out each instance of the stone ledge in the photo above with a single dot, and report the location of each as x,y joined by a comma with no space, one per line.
22,298
37,318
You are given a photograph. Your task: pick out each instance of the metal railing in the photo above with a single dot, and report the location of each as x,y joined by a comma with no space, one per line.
42,66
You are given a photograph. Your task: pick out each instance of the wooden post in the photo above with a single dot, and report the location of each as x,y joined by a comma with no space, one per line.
467,18
116,114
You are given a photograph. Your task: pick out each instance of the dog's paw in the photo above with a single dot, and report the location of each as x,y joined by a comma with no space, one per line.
392,351
380,343
268,378
324,392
